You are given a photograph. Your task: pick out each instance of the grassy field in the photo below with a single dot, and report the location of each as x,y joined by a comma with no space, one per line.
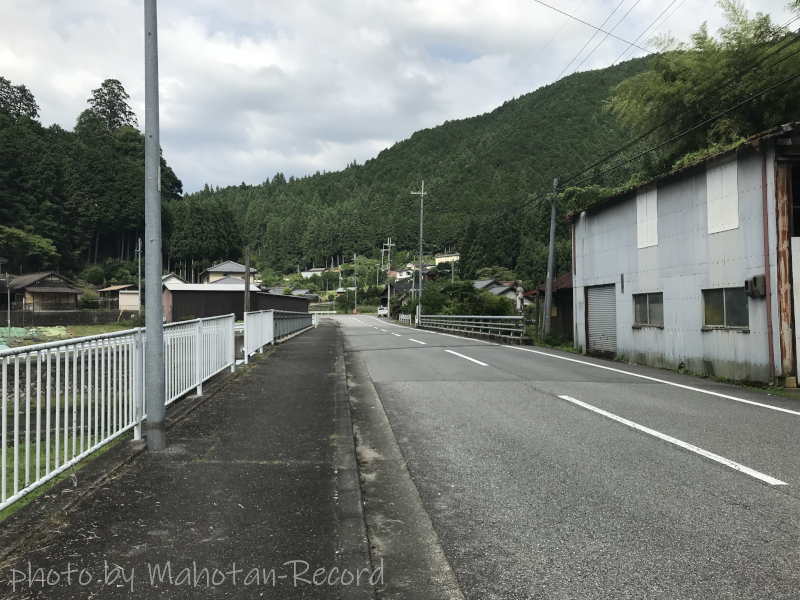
85,330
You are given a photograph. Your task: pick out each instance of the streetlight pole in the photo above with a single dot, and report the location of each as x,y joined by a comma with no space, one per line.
421,195
154,313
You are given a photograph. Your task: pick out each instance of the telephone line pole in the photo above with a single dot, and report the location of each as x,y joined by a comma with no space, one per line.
421,195
548,292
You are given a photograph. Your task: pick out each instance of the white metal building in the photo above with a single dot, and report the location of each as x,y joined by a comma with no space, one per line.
660,270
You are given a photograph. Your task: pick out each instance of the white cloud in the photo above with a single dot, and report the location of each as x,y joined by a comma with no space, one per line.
249,88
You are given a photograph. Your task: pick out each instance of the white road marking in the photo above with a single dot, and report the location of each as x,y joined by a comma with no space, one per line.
383,330
677,442
459,337
397,334
672,383
468,358
413,340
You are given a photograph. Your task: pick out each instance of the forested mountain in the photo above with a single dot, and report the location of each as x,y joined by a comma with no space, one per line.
475,170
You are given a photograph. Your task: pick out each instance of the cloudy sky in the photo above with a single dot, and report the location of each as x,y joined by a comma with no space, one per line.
251,87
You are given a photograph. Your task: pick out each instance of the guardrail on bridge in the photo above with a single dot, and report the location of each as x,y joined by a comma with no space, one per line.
511,326
265,326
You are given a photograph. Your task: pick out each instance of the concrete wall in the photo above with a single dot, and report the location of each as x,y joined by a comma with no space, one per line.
686,260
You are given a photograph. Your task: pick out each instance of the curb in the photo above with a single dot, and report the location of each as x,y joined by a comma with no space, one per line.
351,525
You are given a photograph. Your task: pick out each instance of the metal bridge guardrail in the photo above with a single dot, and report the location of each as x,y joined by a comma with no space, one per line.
513,326
265,326
70,398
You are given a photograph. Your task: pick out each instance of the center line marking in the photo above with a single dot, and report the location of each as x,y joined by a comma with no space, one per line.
397,334
677,442
468,358
383,330
413,340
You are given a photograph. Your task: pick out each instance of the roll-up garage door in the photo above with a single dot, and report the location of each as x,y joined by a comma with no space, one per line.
602,309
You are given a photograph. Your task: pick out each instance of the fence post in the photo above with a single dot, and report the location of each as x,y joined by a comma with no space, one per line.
199,356
233,342
246,357
138,381
262,331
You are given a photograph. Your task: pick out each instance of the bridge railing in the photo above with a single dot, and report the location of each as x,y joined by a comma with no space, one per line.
63,400
265,326
511,326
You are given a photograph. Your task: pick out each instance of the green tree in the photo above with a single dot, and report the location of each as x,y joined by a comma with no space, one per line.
110,103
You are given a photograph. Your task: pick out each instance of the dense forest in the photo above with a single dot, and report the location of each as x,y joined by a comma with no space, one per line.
74,199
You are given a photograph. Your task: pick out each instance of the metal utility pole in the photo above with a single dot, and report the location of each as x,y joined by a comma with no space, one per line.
355,284
247,279
139,252
548,292
388,245
154,312
421,195
452,271
8,292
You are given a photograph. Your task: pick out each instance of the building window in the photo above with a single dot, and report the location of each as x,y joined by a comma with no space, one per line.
725,308
648,309
722,195
647,217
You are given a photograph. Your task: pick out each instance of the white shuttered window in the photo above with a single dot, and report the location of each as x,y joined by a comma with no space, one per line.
646,217
722,193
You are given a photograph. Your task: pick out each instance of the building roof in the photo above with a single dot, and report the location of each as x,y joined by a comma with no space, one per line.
276,289
24,281
163,277
300,292
113,288
228,266
228,280
317,270
753,141
49,289
206,287
559,283
484,283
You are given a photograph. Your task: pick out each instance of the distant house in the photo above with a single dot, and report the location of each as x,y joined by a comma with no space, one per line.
41,291
172,278
225,269
277,290
483,284
306,293
447,258
197,300
230,280
405,273
310,272
119,297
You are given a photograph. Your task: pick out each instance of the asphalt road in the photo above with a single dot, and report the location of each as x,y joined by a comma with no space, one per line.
552,475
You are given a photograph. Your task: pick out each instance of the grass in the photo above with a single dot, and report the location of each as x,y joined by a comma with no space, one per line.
86,330
43,489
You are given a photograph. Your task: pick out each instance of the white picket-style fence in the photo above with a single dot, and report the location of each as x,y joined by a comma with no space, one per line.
67,399
265,326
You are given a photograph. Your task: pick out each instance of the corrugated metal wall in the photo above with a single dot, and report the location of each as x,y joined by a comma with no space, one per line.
686,260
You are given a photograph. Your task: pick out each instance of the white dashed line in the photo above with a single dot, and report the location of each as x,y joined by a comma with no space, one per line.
413,340
468,358
397,334
677,442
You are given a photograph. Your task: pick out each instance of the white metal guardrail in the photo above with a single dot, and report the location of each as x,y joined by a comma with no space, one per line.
70,398
405,319
265,326
513,326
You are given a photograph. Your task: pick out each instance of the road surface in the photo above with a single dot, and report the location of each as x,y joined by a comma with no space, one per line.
552,475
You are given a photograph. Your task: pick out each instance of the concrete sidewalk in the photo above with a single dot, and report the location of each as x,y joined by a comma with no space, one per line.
257,496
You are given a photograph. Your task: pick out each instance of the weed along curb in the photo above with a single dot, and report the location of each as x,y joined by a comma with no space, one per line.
28,524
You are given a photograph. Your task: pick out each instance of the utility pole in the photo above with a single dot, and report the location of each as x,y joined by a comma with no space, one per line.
154,313
548,292
388,245
421,195
8,292
452,271
139,252
247,279
355,284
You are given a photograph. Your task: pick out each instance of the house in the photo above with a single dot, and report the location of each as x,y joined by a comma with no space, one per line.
447,258
119,297
198,300
482,284
694,268
561,310
41,291
306,293
172,278
277,290
231,280
310,272
405,273
225,269
398,290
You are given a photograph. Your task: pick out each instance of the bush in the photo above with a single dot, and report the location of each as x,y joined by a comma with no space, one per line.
89,299
94,275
